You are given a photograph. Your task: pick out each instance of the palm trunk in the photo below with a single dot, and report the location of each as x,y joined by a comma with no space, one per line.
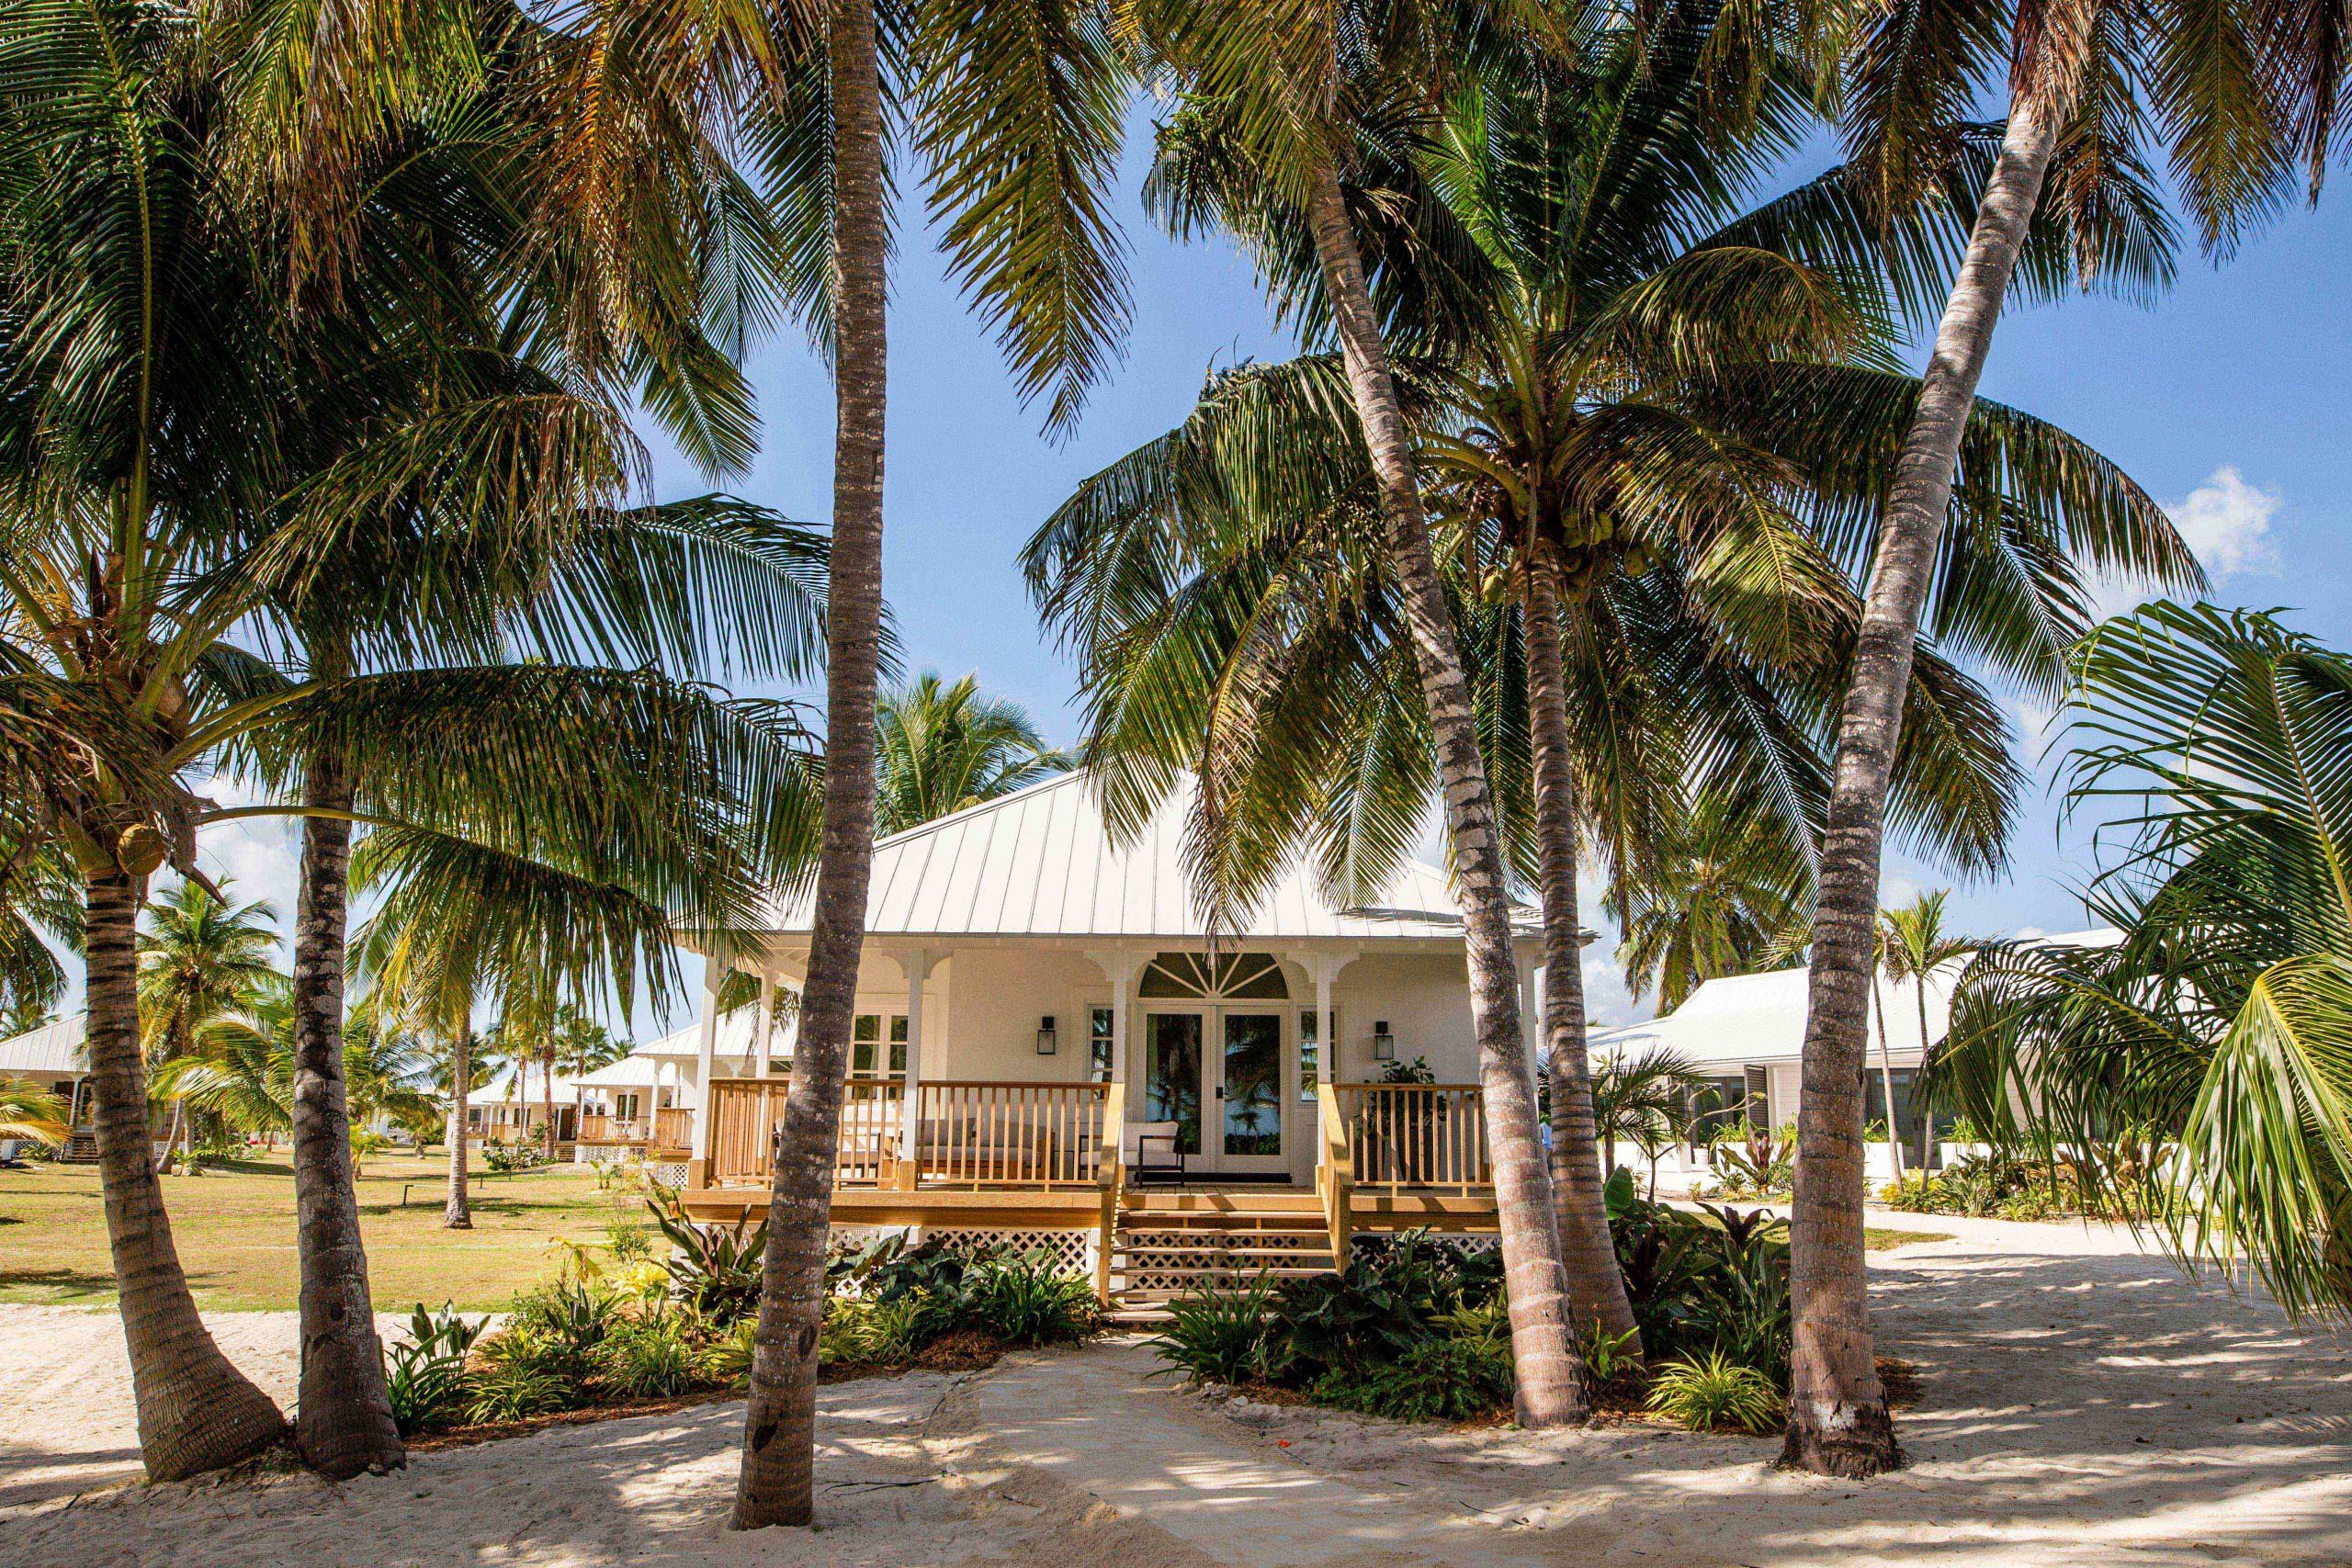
196,1411
1551,1390
1926,1113
1595,1288
777,1483
1837,1418
168,1161
343,1422
1886,1078
458,1214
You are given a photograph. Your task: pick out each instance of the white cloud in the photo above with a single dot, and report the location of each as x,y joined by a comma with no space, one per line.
2227,522
262,855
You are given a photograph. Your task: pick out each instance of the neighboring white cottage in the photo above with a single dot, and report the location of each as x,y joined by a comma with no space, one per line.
1746,1032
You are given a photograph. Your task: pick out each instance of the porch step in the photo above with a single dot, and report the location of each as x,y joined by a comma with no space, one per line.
1173,1243
81,1147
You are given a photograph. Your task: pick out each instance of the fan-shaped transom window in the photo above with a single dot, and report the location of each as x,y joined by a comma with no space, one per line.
1209,978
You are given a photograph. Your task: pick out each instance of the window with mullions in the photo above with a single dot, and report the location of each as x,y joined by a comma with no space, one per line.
865,1036
1310,1055
1098,1045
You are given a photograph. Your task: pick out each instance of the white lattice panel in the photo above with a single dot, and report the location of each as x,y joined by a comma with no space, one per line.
1073,1251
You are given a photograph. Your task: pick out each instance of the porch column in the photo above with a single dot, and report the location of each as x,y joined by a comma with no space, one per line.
1324,968
1119,967
713,975
918,967
766,1030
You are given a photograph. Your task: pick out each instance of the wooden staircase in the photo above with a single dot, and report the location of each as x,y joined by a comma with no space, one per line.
1170,1243
81,1147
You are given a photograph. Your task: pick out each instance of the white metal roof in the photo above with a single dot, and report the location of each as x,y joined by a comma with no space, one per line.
1759,1018
54,1048
637,1068
1040,862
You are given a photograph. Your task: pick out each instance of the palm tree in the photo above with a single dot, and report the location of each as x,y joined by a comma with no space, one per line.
2088,81
1719,900
1632,1098
29,1111
1285,86
1682,522
200,958
441,579
217,495
2195,1072
1013,113
943,748
1914,946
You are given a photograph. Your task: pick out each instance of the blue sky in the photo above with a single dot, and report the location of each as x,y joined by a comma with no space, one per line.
2226,401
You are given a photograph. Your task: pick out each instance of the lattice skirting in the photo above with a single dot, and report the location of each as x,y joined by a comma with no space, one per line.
1073,1251
668,1172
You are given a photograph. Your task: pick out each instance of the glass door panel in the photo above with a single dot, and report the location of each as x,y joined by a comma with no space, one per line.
1172,1075
1252,1092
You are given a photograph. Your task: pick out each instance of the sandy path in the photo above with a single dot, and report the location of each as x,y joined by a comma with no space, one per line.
2083,1405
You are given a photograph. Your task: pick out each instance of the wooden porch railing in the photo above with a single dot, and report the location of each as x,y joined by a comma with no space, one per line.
596,1127
971,1133
1007,1133
673,1128
1409,1137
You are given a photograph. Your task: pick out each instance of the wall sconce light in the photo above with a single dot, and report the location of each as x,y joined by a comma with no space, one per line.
1045,1042
1383,1045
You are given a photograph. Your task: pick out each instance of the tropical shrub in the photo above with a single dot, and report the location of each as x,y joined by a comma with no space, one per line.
502,1157
1709,1282
714,1272
1218,1334
727,1360
1445,1378
1028,1301
1414,1327
516,1389
656,1356
629,1241
425,1373
1714,1392
557,1325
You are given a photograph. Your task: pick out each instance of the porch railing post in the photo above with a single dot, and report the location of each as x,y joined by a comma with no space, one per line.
918,969
713,975
1335,1172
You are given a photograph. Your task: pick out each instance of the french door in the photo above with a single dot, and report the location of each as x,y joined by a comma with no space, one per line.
1217,1072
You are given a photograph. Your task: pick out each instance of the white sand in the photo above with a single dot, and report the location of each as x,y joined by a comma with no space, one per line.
2083,1405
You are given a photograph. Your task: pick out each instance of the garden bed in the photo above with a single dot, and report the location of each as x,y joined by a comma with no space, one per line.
1416,1327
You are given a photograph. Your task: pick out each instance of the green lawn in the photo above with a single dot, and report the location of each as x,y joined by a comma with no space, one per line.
1876,1237
235,1230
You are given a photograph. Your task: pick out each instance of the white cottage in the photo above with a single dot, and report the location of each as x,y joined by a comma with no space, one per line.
1047,1029
1745,1033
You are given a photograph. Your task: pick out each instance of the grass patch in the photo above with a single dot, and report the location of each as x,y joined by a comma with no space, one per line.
235,1232
1878,1238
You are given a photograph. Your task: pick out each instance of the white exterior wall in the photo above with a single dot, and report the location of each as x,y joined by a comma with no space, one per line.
1425,1000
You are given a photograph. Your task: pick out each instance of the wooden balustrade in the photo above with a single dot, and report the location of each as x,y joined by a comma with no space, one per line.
971,1133
673,1128
1008,1134
1422,1138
